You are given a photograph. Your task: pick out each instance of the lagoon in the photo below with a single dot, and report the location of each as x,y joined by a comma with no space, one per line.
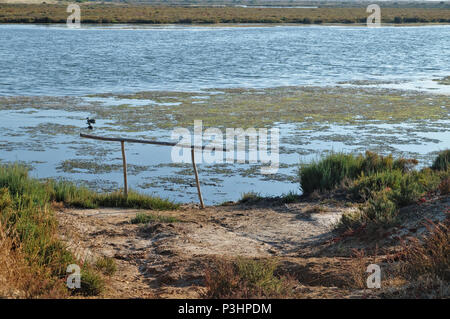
325,87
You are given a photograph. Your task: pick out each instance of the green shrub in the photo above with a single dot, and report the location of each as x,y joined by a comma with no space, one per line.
92,283
259,276
5,199
351,220
373,163
441,162
328,172
106,265
365,186
332,170
246,278
415,185
406,188
381,210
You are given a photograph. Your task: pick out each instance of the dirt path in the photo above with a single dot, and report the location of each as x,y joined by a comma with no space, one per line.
168,260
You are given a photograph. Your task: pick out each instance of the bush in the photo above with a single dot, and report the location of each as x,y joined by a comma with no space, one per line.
366,186
5,199
381,211
246,278
441,162
328,172
331,171
352,221
415,185
92,284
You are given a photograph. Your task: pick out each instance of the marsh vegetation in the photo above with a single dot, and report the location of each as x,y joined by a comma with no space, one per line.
141,14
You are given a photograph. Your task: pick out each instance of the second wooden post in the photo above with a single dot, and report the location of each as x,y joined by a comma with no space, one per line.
125,182
202,205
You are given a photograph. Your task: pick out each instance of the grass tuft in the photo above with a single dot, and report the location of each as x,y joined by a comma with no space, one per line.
246,278
250,198
106,265
144,218
92,284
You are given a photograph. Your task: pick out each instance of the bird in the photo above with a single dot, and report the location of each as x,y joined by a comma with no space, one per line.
89,122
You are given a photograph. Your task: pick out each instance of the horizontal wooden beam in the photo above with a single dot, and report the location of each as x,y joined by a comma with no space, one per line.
131,140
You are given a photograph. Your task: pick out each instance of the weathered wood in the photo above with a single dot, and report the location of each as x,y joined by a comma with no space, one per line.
131,140
124,159
202,205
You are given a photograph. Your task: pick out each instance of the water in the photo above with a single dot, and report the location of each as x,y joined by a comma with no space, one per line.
54,61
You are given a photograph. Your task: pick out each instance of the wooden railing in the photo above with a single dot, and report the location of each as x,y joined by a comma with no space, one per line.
130,140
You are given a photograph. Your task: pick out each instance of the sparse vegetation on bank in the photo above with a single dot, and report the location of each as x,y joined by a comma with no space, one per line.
421,265
106,265
101,13
16,179
29,231
442,161
252,198
336,168
145,218
383,183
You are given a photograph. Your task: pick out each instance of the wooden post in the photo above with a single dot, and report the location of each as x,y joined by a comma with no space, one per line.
125,182
202,205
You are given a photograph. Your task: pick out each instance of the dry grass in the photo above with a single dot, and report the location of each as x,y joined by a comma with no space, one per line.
20,280
316,210
444,187
422,265
246,278
430,256
357,275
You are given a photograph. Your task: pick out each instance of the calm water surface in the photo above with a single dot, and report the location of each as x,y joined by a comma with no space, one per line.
54,61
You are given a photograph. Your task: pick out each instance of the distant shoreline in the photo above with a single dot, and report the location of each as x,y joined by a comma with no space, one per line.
159,15
143,26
